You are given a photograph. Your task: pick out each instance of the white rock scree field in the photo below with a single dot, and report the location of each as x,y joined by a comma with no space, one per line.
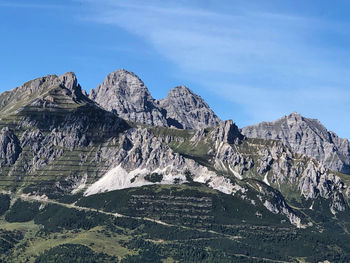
118,176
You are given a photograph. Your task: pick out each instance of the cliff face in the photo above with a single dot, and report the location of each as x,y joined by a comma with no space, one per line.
306,136
126,95
75,170
186,110
56,141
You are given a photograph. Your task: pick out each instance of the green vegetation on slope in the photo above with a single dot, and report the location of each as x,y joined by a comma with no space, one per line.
22,211
72,253
4,203
230,230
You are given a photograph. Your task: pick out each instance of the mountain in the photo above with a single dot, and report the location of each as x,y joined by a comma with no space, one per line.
186,110
126,95
44,120
80,183
32,90
306,136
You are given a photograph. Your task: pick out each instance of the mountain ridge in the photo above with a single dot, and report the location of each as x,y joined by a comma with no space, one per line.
71,169
122,87
306,136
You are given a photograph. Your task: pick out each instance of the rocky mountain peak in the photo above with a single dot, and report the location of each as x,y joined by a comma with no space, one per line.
187,110
184,96
125,94
130,80
294,116
180,91
69,80
35,89
306,136
121,87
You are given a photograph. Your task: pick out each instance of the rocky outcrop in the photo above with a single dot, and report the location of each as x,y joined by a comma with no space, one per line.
10,148
32,91
70,82
62,135
52,115
186,110
125,94
227,132
142,154
306,136
276,165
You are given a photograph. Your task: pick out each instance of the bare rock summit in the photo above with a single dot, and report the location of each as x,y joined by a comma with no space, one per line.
306,136
125,94
186,110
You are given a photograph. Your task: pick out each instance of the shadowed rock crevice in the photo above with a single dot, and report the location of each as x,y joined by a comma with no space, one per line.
10,147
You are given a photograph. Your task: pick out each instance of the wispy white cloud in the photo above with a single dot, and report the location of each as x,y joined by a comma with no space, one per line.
270,63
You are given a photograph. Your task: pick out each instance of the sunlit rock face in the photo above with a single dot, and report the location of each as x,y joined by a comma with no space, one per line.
306,136
125,94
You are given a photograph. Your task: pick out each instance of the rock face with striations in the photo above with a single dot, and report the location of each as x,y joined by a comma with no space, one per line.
306,136
49,128
30,90
10,147
186,110
125,94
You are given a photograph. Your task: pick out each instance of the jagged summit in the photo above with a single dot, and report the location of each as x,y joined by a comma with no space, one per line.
60,153
131,80
42,88
70,81
295,115
188,109
182,90
124,93
306,136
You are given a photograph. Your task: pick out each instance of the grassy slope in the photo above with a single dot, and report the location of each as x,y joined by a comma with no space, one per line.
233,234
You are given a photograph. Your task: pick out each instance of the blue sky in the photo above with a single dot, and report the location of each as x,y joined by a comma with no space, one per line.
251,61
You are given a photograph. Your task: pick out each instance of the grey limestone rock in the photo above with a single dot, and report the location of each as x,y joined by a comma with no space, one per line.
10,148
228,132
34,90
276,165
60,128
186,110
306,136
125,94
142,150
55,116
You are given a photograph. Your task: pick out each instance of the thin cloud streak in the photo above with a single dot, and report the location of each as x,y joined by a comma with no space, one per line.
187,39
269,62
